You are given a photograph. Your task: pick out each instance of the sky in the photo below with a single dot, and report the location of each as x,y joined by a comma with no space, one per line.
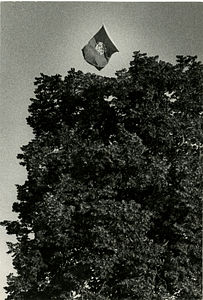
47,37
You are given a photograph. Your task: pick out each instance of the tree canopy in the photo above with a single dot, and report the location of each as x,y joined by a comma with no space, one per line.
111,208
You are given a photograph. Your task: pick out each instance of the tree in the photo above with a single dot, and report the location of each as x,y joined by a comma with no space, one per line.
111,208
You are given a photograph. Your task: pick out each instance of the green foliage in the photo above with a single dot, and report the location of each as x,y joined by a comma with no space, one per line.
111,208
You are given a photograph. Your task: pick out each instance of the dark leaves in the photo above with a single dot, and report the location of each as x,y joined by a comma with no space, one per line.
111,206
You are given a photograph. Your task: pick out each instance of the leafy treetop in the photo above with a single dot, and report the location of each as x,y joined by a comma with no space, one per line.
111,208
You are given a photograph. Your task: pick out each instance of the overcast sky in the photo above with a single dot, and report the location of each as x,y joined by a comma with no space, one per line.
47,37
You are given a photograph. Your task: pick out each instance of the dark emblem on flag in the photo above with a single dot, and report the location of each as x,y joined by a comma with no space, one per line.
99,49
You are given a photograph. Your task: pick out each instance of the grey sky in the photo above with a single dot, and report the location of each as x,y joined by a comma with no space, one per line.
47,37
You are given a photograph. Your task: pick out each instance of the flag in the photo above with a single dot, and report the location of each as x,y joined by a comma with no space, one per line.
99,49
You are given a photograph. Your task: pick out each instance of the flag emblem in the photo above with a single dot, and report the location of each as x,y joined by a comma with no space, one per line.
99,49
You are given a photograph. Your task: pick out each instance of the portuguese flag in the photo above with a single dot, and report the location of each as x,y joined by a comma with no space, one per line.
99,49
